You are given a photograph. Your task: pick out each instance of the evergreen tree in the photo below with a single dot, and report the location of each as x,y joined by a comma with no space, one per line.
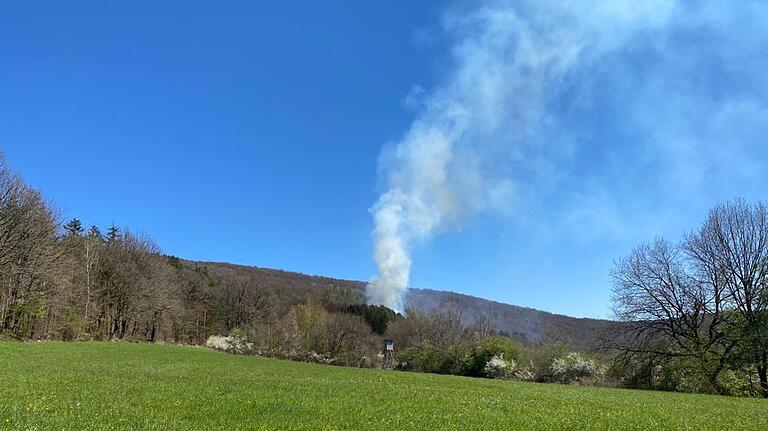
94,232
74,227
113,233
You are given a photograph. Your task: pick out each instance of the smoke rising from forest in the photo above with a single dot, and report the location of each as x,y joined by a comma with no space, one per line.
493,130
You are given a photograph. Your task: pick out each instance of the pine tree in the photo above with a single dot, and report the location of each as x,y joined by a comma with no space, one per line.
74,227
113,233
94,232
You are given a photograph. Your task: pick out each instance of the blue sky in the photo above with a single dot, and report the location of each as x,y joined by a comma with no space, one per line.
253,133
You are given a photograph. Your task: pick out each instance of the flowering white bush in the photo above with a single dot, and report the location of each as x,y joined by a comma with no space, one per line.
231,344
318,358
499,368
218,342
522,373
574,366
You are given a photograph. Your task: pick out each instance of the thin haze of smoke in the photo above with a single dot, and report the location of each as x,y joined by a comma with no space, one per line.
511,60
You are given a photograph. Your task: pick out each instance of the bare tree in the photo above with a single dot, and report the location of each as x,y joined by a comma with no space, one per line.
29,255
239,302
670,308
92,245
443,329
732,250
705,299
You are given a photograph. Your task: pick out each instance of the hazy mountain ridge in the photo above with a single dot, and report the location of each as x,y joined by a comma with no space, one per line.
528,325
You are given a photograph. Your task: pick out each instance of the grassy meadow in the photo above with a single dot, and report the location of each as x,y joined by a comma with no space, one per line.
102,386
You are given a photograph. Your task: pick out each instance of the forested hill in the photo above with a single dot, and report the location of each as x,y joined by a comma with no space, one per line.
69,281
528,325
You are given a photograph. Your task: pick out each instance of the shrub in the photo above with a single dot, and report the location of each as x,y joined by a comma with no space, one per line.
521,373
317,358
499,368
683,375
542,359
429,358
218,342
230,344
574,367
739,382
493,347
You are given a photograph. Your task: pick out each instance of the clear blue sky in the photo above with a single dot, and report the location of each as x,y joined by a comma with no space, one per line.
250,133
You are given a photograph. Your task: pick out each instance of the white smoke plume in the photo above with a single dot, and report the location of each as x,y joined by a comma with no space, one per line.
477,133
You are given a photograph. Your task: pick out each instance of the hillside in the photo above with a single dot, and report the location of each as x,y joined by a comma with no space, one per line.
525,324
528,325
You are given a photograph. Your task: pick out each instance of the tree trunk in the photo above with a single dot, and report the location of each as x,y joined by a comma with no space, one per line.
762,372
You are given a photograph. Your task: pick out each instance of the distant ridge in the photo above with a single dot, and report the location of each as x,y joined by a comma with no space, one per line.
528,325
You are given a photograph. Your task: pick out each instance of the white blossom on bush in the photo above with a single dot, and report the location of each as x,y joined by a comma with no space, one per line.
318,358
522,373
229,344
499,368
574,366
218,342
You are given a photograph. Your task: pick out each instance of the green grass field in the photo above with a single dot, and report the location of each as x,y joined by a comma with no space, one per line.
79,386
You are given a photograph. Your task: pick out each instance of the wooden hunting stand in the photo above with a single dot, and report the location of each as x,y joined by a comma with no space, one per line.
389,354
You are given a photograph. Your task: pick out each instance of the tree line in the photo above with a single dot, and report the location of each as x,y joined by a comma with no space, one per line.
65,281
